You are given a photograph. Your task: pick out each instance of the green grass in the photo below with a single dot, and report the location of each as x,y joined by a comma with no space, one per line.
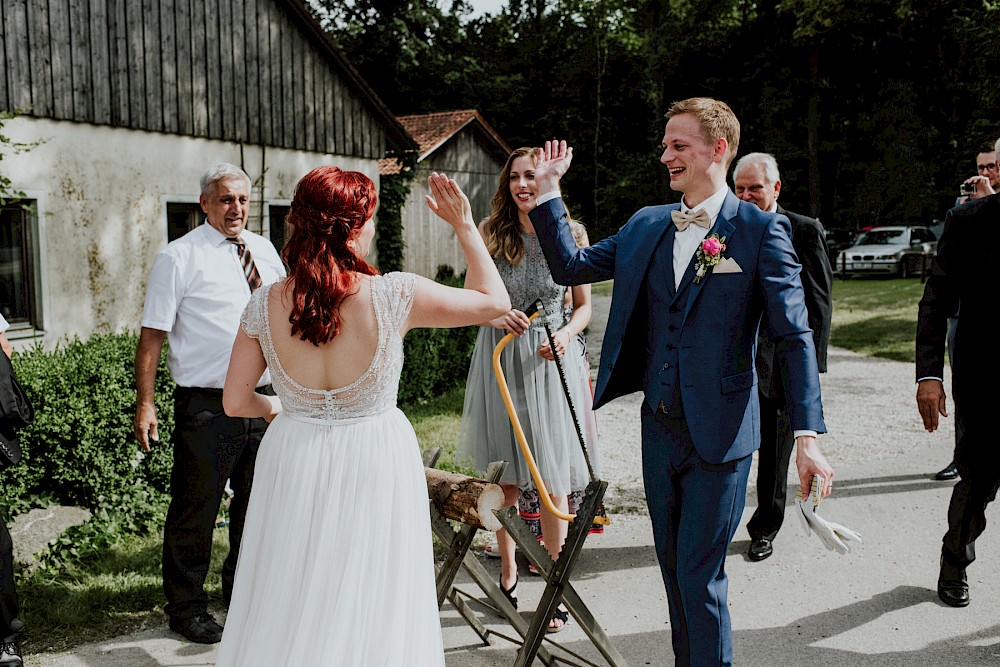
116,592
875,317
603,288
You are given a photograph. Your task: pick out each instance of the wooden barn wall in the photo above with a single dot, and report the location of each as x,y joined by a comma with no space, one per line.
430,242
234,70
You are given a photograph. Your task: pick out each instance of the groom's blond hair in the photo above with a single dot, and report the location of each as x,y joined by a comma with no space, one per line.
716,119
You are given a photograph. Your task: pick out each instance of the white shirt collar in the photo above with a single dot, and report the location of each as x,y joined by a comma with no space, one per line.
774,207
215,237
712,205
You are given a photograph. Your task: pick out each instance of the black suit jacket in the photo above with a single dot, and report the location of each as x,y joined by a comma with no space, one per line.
15,411
809,242
965,269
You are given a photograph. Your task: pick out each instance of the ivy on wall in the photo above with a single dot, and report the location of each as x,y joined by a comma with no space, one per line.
8,193
393,191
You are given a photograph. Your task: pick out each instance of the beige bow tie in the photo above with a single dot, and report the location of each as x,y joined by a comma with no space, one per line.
699,217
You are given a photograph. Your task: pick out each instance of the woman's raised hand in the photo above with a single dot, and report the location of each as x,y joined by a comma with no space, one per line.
448,201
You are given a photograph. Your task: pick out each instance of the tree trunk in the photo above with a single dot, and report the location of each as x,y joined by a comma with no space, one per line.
465,499
812,140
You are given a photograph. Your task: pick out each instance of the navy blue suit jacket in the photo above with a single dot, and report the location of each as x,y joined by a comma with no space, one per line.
721,316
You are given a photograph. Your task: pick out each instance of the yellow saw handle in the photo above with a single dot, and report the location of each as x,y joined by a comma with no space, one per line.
543,494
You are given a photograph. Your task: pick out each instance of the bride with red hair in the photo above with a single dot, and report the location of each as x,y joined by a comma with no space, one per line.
336,566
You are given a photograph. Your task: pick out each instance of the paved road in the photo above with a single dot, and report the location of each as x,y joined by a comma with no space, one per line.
804,605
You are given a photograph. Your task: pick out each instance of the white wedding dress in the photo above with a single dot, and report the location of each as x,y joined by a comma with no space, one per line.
336,565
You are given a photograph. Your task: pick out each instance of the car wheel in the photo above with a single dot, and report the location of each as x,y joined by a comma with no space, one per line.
904,267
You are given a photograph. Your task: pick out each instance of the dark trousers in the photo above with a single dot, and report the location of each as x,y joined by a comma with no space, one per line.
977,488
695,508
8,596
773,457
209,448
952,327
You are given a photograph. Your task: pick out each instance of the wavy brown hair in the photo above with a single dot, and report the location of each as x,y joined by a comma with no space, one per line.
502,230
329,208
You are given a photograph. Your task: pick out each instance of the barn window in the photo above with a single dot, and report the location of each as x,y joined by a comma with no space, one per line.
18,287
279,230
182,218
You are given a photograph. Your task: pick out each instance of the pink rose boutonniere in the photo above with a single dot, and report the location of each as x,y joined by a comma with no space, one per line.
709,253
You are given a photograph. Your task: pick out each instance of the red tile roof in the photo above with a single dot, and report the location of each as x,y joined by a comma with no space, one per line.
433,129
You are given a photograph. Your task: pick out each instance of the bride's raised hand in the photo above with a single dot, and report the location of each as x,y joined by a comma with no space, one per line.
448,201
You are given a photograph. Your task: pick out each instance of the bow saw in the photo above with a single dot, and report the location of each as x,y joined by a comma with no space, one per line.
534,311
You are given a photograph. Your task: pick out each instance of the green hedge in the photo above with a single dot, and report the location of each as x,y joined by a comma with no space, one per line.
436,360
80,449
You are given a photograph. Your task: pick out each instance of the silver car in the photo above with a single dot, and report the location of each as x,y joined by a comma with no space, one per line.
896,251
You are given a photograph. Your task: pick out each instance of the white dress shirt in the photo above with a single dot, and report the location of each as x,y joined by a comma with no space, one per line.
4,325
196,293
687,242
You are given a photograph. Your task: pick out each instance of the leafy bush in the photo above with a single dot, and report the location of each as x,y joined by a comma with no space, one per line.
79,450
393,191
436,360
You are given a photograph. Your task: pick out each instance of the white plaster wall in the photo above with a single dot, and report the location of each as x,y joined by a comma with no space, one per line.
102,212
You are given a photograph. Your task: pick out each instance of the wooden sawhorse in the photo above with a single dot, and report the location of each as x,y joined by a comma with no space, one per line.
555,574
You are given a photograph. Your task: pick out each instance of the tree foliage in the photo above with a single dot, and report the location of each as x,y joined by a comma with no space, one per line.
874,110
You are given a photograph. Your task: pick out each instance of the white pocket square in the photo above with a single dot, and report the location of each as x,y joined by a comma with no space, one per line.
727,265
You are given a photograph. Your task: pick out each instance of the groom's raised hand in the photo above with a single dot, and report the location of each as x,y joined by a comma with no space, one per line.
551,162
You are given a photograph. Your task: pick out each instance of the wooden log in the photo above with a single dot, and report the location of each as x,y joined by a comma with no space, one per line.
465,499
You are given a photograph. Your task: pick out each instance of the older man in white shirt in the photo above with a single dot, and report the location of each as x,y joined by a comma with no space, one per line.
196,293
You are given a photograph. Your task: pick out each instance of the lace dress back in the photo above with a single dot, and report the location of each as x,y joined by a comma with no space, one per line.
376,390
336,564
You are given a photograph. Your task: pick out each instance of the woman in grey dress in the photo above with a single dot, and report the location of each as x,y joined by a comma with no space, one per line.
532,377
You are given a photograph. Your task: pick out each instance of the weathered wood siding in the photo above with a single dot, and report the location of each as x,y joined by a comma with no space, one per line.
235,70
429,240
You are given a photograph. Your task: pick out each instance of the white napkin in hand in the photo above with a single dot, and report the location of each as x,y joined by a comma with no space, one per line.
834,536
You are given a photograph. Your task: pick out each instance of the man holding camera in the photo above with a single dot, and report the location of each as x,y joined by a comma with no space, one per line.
956,279
987,179
985,183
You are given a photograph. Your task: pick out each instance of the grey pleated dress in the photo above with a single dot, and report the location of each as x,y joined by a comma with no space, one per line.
537,393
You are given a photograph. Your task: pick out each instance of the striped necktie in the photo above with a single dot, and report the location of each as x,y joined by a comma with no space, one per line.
249,268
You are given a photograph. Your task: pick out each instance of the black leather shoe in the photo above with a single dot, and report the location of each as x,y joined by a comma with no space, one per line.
949,473
760,548
953,586
201,629
10,653
10,649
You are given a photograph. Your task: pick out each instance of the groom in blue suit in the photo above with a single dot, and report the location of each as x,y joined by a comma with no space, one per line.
691,283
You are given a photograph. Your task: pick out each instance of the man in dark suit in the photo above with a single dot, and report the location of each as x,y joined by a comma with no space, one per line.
964,270
986,183
691,282
756,180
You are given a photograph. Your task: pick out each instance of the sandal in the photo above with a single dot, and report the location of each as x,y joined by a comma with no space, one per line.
561,615
509,593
